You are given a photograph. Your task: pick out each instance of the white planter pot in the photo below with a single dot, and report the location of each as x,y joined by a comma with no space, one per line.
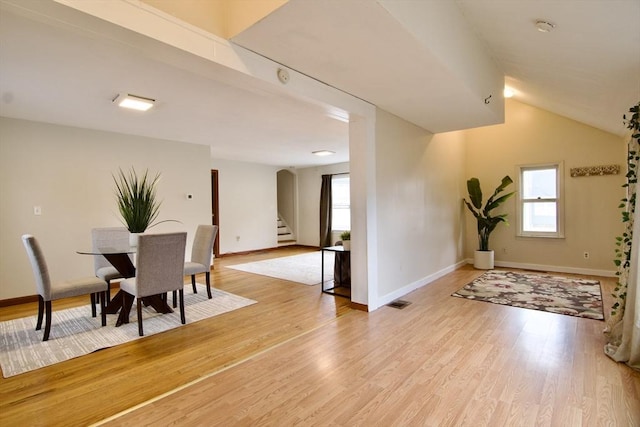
483,260
133,239
346,244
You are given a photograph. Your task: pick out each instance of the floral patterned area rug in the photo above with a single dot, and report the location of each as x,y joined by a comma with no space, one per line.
555,294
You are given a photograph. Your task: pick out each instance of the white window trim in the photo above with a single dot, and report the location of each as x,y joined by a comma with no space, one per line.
559,233
339,231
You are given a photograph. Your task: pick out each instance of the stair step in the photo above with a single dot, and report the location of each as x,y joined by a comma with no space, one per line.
285,236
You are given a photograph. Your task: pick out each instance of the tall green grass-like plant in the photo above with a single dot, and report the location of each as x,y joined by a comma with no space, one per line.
137,199
486,222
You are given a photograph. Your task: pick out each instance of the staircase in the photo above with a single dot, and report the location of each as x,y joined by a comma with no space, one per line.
285,236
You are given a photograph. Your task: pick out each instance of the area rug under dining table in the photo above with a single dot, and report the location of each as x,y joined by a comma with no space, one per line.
75,333
572,296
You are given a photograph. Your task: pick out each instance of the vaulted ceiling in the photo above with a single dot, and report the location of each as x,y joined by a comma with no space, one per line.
61,66
417,60
388,52
587,68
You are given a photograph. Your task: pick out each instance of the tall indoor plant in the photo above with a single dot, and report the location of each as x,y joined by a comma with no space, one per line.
137,203
483,258
622,330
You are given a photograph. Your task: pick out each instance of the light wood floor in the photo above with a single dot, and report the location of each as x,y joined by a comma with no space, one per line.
299,357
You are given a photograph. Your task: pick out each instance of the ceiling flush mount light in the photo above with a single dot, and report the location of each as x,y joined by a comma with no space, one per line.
134,102
323,153
508,92
544,26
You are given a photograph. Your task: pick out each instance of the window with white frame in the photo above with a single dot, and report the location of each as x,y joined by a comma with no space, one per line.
340,203
540,202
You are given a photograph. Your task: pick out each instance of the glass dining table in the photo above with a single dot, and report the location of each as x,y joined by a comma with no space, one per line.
119,257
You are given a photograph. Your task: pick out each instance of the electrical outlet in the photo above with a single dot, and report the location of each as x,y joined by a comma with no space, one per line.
37,210
585,255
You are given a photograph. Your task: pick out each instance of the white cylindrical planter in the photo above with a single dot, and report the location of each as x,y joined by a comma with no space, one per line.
483,260
346,244
133,239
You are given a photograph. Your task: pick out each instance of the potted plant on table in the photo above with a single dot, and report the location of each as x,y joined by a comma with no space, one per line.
137,202
484,257
346,240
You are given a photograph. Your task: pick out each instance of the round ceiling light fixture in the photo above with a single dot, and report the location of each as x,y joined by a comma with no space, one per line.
544,26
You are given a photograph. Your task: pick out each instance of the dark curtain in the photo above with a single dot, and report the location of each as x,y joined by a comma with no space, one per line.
325,211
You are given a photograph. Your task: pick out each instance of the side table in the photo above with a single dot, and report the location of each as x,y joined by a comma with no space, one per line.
336,289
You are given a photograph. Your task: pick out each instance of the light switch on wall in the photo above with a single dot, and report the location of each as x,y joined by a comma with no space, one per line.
37,210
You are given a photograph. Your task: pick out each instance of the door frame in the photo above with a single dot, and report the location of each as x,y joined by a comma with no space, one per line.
215,210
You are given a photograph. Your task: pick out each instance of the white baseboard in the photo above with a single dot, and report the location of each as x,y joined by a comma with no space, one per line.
386,299
399,293
553,268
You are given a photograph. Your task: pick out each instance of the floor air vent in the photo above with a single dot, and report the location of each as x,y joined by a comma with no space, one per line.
399,304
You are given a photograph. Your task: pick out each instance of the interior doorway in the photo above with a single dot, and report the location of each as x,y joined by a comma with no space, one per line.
286,203
215,208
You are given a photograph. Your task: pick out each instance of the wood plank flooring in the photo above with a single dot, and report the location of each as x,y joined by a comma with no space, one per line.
302,358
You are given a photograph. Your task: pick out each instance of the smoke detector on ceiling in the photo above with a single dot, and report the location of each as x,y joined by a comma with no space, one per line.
283,76
544,26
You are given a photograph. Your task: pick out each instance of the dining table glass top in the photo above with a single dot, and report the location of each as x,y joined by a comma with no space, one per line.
108,250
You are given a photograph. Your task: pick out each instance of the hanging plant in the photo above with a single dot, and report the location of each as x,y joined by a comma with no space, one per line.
628,205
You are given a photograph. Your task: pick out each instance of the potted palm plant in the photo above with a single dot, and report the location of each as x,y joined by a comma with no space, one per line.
484,257
136,196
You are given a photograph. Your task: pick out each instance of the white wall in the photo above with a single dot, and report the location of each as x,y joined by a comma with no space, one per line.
68,172
415,232
248,205
161,27
592,218
419,181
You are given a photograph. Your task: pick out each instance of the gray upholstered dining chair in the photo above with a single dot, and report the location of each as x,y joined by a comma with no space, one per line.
48,291
201,253
111,237
159,269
